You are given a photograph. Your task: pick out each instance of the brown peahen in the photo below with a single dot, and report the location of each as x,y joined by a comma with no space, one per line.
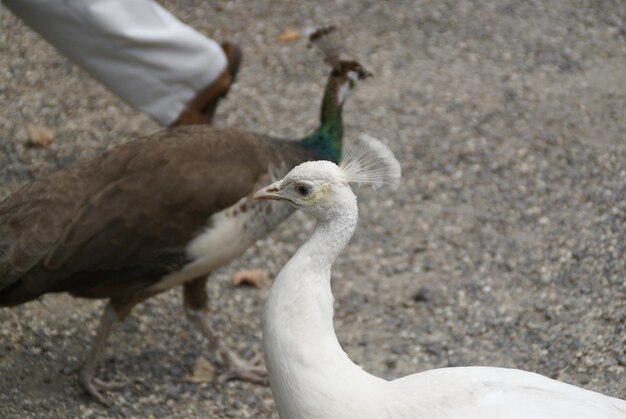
158,212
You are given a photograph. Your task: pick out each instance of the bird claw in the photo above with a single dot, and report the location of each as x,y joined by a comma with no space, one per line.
239,369
94,386
235,367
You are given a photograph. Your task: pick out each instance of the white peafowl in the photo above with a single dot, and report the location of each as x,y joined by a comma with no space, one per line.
158,212
312,377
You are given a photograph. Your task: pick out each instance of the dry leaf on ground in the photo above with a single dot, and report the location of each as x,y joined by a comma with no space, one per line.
289,35
250,277
202,372
39,135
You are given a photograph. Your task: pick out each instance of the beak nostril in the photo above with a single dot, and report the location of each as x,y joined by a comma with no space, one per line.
269,192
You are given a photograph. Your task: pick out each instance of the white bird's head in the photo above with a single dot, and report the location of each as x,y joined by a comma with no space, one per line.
314,187
318,187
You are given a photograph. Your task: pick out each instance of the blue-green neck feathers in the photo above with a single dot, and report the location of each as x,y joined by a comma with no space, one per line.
326,140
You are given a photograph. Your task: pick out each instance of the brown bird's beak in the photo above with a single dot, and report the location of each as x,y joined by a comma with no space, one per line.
269,192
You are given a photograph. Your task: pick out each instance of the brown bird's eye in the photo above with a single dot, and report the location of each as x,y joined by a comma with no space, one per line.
303,190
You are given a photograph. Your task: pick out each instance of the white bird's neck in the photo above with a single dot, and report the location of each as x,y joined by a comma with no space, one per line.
329,238
310,375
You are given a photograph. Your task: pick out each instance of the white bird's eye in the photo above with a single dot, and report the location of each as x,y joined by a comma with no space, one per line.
303,190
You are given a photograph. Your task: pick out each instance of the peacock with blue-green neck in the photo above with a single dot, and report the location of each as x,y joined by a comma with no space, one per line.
155,213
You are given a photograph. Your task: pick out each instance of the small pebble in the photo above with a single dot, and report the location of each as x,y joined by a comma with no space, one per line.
422,295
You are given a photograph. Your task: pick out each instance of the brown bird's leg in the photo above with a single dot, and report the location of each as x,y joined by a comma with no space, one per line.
196,307
114,311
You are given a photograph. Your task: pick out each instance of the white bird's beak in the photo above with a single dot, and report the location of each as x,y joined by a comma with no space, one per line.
270,192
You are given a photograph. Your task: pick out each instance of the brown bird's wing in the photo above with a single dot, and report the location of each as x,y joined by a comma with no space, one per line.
141,204
35,216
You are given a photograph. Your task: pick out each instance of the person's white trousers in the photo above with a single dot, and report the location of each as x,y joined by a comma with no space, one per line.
134,47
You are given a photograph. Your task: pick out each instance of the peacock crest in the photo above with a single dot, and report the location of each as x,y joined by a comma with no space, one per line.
369,161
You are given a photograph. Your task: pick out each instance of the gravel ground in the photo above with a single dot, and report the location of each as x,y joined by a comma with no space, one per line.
504,245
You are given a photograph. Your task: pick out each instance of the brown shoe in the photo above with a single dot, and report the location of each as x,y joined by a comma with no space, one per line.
201,108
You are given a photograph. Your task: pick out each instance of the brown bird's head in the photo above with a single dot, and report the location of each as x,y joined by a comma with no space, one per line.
345,73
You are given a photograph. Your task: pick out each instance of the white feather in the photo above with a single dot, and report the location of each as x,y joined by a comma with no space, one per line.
370,161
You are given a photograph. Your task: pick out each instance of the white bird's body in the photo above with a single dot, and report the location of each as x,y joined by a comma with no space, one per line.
312,377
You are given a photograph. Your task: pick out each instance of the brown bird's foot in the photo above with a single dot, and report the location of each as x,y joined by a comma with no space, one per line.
235,367
94,386
253,371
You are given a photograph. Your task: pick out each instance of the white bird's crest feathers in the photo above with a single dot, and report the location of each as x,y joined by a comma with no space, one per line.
370,161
